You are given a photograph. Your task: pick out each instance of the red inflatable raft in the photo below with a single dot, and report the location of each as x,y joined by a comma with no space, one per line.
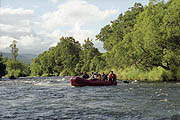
80,82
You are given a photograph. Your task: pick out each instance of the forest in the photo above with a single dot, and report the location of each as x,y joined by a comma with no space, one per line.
143,43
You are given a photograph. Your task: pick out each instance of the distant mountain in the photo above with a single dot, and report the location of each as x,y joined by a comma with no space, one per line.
26,58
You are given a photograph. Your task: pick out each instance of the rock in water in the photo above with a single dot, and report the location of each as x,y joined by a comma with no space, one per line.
125,81
12,77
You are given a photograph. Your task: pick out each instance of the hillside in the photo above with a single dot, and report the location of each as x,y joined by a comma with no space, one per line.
26,58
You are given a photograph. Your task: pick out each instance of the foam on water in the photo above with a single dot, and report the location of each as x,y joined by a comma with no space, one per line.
54,98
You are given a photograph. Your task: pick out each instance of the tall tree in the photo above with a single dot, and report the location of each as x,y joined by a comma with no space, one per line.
113,36
59,60
156,36
14,49
90,58
14,67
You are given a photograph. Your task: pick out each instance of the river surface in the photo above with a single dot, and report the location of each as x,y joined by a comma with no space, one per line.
53,98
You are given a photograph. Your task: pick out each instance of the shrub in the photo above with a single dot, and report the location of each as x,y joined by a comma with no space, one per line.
156,74
178,73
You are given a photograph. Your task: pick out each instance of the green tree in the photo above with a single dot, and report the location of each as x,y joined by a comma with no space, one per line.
14,50
59,60
90,58
153,44
97,63
16,69
114,35
144,38
35,67
104,36
171,34
2,66
68,50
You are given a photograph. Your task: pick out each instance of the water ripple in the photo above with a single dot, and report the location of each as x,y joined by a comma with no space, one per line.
53,98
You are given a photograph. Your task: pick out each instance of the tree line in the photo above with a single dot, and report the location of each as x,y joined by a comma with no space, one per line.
68,58
145,41
142,43
12,68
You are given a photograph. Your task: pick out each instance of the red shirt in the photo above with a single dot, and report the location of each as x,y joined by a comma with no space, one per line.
112,76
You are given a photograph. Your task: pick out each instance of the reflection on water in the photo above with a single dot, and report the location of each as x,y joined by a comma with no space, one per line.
54,98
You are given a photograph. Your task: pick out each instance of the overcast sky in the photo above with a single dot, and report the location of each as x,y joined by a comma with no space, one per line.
37,25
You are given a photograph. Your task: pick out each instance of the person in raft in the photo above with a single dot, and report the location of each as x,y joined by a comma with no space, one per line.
112,77
99,77
93,76
85,75
104,76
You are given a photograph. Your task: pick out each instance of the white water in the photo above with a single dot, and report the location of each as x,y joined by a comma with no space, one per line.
54,98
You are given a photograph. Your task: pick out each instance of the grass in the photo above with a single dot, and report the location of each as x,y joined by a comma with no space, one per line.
157,74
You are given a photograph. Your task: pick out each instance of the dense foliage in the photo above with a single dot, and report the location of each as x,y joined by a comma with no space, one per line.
12,68
2,66
145,38
16,69
67,58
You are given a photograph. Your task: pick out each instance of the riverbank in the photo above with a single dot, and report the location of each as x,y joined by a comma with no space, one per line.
155,75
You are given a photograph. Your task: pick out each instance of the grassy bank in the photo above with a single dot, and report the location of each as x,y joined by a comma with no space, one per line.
155,75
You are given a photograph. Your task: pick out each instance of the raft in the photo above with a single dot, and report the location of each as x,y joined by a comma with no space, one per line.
80,82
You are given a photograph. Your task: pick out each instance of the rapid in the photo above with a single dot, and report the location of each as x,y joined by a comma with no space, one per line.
53,98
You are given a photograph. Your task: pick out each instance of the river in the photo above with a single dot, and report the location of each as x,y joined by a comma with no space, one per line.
53,98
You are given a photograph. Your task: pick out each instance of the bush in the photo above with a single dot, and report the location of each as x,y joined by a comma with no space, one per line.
45,75
16,68
178,74
156,74
64,73
13,74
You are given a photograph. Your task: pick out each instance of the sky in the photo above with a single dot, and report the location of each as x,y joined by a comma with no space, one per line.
37,25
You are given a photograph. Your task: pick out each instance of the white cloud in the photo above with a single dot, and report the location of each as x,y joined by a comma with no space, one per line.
55,1
14,28
79,33
17,24
35,44
75,12
15,16
99,45
33,35
19,11
75,16
5,42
